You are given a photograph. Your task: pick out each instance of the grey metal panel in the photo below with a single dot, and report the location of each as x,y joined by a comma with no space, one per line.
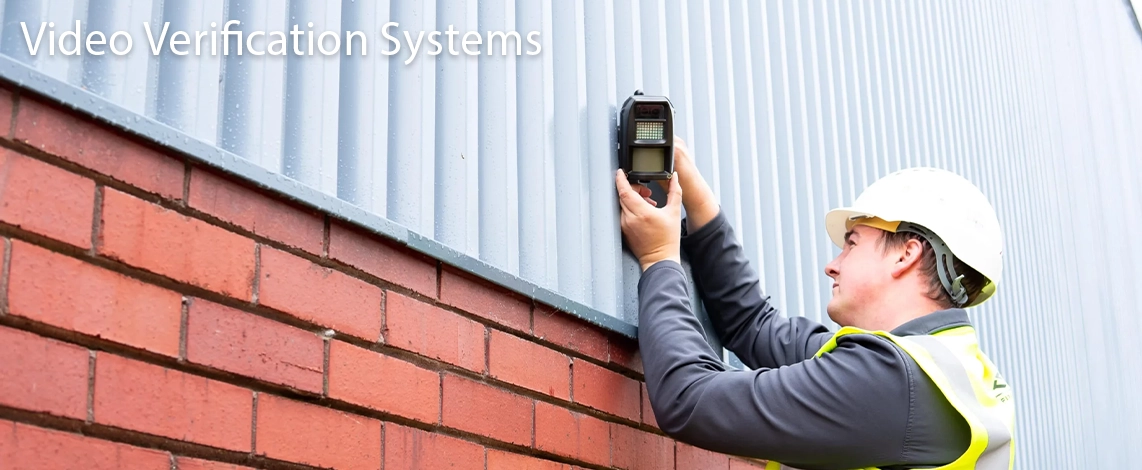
412,120
605,238
813,146
765,102
457,151
502,166
188,90
309,146
680,69
624,47
128,79
747,146
785,158
498,189
721,49
655,54
535,110
363,156
254,90
572,199
33,14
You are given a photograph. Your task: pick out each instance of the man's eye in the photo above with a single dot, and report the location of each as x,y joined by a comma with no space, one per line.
850,243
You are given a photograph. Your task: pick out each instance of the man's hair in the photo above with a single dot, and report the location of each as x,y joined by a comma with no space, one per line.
973,281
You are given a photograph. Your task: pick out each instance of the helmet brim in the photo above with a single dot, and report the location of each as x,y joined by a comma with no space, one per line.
836,223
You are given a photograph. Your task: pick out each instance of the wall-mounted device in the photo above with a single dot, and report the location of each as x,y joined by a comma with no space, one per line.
646,138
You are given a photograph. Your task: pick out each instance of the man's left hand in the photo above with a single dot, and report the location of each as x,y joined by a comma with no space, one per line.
653,234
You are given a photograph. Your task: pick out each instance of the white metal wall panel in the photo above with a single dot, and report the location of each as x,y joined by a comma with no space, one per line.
792,107
253,91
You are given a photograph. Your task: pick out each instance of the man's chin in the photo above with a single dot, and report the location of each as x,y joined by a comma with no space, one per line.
836,312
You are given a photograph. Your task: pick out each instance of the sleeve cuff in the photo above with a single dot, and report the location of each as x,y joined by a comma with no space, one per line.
704,232
659,266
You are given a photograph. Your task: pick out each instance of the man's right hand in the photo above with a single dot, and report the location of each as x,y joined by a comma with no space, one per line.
699,200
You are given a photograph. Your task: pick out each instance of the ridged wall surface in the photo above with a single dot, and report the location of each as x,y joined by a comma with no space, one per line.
791,109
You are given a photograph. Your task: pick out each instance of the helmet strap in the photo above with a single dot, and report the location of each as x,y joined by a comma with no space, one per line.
945,263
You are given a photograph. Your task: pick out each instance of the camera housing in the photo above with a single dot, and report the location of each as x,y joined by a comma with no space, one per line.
646,138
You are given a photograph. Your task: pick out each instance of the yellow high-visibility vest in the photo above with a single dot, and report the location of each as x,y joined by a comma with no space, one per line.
970,382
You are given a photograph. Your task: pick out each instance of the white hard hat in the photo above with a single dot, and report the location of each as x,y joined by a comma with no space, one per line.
944,203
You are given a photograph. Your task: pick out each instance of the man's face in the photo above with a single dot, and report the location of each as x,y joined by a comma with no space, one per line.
859,274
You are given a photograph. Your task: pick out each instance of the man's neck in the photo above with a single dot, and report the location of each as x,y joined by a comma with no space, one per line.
892,316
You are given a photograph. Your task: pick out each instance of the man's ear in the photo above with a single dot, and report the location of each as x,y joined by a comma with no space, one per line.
907,257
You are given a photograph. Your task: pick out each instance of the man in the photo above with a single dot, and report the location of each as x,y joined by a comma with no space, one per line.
902,384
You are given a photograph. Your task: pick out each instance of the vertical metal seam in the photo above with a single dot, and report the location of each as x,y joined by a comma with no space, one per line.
812,285
775,189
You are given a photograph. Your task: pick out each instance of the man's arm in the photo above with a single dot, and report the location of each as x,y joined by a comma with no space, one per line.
742,315
743,318
846,409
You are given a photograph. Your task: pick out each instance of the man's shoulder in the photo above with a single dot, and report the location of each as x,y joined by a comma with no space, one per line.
893,374
873,366
872,345
875,370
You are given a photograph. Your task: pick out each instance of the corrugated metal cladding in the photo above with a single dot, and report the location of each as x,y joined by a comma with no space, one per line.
791,108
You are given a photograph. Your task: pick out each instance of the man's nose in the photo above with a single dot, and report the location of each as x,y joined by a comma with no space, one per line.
831,269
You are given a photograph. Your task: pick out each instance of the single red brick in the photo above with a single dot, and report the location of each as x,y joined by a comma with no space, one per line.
68,293
487,411
155,400
624,353
412,449
383,383
529,365
186,463
693,458
314,435
24,446
41,374
647,411
499,460
382,258
570,434
606,391
44,199
163,241
6,106
480,298
635,449
319,295
249,345
571,333
264,215
431,331
90,145
738,464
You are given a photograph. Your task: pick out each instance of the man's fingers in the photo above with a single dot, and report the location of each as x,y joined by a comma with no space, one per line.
680,147
643,191
630,194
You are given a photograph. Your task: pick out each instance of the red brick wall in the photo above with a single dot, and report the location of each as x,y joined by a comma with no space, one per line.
156,314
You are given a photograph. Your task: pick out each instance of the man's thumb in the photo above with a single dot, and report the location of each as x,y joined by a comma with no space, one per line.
674,195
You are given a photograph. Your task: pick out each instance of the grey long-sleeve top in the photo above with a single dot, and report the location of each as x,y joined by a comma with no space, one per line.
866,403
